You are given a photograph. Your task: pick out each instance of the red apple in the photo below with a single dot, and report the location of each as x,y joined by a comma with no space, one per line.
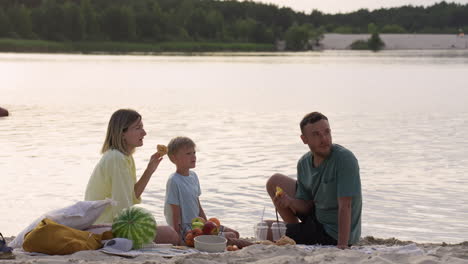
210,228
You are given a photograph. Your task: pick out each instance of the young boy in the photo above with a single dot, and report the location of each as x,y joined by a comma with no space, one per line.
183,189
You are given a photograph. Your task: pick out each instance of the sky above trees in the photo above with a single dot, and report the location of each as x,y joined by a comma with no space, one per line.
344,6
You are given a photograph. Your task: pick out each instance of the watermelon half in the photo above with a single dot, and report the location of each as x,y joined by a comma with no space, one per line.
135,223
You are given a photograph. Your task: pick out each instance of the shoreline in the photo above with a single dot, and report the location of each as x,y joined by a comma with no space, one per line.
330,41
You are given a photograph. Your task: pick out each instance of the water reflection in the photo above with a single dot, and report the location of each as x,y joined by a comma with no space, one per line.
404,120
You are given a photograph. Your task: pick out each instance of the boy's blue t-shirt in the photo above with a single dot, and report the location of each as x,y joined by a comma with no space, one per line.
184,192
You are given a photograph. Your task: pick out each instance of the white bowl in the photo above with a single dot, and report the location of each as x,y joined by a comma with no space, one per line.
210,243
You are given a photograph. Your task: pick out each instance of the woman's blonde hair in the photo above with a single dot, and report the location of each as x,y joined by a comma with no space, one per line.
119,122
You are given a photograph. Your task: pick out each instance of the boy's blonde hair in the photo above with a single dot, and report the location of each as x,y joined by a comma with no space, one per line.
177,143
119,122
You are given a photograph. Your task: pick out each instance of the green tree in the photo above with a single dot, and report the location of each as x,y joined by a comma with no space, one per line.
119,23
215,24
37,23
90,20
375,43
5,27
196,24
372,28
360,45
263,34
20,18
52,21
284,18
245,29
74,23
393,28
343,30
159,22
297,37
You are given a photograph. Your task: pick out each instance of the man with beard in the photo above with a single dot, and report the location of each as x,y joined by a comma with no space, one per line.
324,205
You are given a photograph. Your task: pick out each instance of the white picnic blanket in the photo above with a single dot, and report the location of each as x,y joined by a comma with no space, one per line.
162,250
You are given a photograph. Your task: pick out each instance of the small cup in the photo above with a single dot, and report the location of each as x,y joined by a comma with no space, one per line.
261,231
278,229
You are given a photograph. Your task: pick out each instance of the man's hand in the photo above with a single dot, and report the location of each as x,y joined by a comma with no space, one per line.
342,246
282,201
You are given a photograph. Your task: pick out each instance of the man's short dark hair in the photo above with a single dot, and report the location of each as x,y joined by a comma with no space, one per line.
312,118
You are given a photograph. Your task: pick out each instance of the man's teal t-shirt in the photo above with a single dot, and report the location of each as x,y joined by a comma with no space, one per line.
337,176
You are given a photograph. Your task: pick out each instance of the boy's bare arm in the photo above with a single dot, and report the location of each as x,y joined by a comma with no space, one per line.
176,218
202,213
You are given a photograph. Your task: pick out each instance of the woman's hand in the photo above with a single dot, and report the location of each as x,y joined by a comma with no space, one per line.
154,163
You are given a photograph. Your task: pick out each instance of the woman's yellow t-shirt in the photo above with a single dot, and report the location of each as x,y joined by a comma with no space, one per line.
113,177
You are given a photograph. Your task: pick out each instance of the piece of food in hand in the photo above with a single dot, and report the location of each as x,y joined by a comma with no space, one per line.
210,228
162,150
285,240
279,191
215,220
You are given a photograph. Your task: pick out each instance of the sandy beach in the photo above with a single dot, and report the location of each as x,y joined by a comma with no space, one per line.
369,250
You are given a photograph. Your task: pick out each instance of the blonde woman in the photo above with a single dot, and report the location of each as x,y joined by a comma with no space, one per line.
115,174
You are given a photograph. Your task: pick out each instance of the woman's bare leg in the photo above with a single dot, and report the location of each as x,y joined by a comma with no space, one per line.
167,235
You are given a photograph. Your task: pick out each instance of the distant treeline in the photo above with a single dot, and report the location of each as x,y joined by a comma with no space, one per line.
209,21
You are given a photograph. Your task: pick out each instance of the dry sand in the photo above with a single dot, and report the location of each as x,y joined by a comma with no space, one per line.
261,254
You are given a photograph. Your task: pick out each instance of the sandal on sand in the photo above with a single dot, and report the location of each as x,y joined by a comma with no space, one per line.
5,251
240,243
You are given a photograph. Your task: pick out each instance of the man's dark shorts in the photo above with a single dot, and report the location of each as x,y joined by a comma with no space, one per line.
309,231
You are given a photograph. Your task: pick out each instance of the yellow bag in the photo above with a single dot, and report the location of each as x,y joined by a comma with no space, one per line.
51,238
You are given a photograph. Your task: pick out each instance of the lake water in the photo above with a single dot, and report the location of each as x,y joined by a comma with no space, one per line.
404,114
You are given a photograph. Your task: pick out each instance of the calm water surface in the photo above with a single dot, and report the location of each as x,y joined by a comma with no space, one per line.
403,114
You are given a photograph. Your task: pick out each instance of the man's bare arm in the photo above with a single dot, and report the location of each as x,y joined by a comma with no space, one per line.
344,221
